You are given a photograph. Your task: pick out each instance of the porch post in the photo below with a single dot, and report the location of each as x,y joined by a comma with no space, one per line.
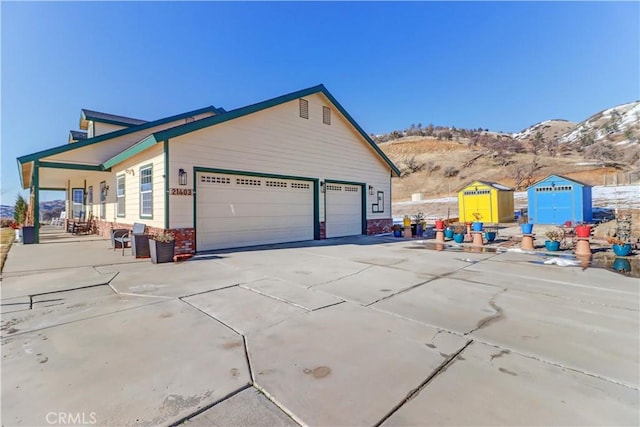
36,200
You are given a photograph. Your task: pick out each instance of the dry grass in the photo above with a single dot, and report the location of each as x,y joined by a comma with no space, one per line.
444,154
7,235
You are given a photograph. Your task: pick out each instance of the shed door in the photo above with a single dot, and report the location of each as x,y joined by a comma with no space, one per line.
554,204
343,210
477,201
235,210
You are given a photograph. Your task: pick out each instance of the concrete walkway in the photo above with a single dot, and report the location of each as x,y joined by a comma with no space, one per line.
347,332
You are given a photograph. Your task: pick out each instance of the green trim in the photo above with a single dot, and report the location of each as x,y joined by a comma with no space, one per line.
316,209
106,121
166,185
111,135
36,200
124,214
240,112
363,201
137,148
52,189
316,192
74,166
148,165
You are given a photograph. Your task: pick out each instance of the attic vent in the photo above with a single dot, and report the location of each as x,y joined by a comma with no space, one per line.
326,115
304,108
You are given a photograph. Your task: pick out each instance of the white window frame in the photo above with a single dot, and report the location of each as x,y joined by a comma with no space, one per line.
146,191
121,196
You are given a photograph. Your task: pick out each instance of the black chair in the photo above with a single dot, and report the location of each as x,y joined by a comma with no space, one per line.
124,236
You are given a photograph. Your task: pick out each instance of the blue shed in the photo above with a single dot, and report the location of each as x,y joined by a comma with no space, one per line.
557,199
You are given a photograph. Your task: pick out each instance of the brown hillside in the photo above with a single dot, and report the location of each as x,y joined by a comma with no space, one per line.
442,167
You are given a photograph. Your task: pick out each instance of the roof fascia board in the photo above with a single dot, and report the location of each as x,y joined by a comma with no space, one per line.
89,141
137,148
73,166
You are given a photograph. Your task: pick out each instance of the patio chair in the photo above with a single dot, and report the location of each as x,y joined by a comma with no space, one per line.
124,236
73,221
83,227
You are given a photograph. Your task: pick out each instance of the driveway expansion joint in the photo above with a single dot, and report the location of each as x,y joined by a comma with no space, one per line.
205,408
342,277
416,391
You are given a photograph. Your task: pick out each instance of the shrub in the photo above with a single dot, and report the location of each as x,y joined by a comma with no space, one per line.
450,171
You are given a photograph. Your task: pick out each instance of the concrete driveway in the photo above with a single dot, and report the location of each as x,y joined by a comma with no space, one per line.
344,332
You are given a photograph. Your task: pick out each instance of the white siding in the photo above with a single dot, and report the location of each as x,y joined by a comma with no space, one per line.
95,154
131,171
278,141
102,128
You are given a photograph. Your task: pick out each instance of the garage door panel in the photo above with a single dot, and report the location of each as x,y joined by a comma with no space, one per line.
343,210
235,210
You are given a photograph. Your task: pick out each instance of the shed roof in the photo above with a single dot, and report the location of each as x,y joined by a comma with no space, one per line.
561,177
495,185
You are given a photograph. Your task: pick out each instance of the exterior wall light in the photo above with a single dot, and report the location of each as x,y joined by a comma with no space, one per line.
182,176
371,190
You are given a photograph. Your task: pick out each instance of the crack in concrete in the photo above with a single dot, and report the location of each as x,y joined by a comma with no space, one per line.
556,364
483,323
416,391
563,297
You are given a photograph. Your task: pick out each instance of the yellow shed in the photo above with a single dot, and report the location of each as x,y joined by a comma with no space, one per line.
491,201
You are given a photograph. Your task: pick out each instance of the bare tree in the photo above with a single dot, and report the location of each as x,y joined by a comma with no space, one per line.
524,174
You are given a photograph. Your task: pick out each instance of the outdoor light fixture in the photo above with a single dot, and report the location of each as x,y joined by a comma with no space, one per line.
371,190
322,186
182,177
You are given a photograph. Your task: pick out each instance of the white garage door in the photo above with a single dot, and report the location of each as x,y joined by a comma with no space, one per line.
343,210
234,211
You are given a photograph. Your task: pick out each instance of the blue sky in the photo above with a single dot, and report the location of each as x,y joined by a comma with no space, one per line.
501,65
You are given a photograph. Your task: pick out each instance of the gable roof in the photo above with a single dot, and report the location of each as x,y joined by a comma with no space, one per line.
97,116
560,177
28,158
240,112
493,184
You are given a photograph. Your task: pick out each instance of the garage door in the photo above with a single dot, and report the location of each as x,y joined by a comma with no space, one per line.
236,210
343,210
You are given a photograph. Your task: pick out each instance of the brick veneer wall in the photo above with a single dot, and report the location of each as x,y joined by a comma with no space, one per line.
185,237
377,226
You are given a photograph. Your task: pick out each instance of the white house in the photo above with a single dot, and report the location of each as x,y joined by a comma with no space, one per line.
293,168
